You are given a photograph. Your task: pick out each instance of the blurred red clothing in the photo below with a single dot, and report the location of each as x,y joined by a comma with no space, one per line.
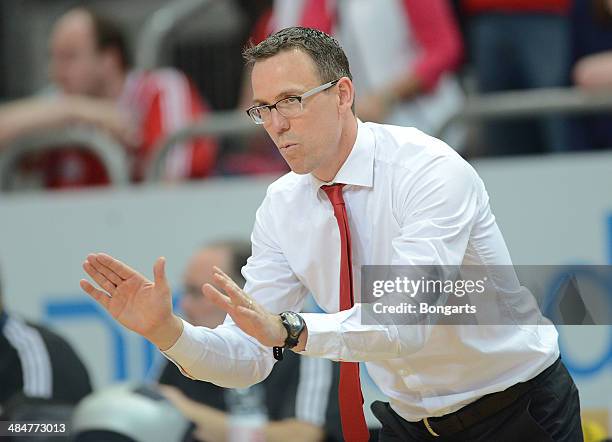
432,23
488,6
160,102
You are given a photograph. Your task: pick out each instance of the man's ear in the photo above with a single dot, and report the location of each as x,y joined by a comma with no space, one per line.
346,94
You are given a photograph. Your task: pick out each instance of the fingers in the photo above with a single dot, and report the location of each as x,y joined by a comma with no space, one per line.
225,278
101,268
237,295
122,270
239,313
99,278
226,303
96,294
249,313
159,273
218,298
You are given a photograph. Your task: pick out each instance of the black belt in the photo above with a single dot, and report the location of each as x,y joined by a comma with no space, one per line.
482,408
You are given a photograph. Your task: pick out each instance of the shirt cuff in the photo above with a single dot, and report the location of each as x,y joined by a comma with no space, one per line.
324,334
185,347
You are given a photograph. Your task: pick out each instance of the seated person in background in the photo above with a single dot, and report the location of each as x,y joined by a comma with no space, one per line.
592,69
90,68
128,413
516,45
37,363
301,392
593,44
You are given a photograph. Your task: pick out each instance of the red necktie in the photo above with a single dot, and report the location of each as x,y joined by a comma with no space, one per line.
354,427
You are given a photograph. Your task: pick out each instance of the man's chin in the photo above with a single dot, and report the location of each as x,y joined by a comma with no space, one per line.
300,172
298,169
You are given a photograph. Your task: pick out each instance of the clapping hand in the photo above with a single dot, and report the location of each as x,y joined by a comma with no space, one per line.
251,317
137,303
145,306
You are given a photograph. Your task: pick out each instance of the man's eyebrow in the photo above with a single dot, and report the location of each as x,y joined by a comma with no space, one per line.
287,93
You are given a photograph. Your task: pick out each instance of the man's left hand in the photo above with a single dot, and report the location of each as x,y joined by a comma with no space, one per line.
251,317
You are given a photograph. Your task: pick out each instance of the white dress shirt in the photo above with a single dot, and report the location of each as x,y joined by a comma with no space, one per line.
411,200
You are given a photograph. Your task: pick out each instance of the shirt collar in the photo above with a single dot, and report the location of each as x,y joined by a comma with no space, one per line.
358,168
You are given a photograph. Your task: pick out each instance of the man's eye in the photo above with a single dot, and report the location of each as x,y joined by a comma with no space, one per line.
291,100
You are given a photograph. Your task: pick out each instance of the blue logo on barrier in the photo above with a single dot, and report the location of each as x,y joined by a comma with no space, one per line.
583,369
551,300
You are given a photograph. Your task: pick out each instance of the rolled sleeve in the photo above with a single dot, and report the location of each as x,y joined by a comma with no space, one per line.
184,348
225,356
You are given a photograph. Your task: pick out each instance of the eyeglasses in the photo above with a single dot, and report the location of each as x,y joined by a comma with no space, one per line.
288,107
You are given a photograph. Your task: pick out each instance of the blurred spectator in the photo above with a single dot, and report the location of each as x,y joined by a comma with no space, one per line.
90,68
521,44
402,54
301,392
592,39
195,52
129,413
594,72
37,363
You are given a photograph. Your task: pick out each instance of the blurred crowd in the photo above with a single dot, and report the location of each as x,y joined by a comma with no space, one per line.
414,64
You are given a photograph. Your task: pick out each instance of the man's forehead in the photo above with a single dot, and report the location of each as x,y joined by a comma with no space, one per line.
288,72
287,59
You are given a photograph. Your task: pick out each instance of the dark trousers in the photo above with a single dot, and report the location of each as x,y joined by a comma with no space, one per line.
550,411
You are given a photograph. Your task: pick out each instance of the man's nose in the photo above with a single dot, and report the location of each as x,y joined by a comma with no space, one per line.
278,122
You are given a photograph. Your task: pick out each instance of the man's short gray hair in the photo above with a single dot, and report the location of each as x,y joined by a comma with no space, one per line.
327,55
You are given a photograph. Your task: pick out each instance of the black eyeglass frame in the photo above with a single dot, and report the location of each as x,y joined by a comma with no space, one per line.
260,120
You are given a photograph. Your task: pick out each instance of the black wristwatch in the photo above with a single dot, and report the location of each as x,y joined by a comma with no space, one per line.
294,324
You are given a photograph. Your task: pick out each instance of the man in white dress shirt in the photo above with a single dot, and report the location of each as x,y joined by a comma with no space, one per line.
358,194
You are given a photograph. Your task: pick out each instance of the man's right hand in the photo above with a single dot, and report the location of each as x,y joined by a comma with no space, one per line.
142,306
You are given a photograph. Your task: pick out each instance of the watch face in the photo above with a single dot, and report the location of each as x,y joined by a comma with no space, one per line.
294,325
293,321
